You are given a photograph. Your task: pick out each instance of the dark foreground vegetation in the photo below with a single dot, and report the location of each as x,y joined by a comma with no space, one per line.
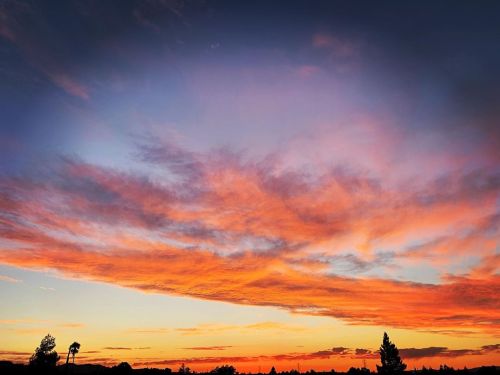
44,362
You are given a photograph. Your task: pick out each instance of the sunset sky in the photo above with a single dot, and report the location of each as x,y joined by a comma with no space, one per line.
254,183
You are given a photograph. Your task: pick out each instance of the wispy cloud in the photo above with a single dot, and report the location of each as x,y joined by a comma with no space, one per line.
209,348
218,328
23,321
339,46
116,348
153,330
125,348
37,50
47,288
41,323
13,353
72,325
9,279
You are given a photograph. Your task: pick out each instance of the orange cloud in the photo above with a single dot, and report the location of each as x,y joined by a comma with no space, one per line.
462,302
231,229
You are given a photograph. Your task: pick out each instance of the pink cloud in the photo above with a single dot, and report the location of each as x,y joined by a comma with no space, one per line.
27,40
340,47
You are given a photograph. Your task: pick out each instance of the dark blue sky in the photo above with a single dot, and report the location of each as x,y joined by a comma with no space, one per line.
444,54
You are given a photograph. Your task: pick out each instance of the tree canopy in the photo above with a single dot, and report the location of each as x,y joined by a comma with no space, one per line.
45,356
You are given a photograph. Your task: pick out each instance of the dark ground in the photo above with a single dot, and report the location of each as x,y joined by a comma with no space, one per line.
9,368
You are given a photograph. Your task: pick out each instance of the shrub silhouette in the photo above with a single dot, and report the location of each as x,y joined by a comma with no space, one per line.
389,356
122,368
45,357
358,371
224,370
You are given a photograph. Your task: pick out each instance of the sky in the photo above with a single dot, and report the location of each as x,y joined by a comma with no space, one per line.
251,183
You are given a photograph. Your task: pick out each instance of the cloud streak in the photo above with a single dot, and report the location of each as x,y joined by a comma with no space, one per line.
33,47
337,352
209,348
9,279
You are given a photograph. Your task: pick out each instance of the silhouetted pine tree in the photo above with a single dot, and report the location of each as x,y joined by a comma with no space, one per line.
389,356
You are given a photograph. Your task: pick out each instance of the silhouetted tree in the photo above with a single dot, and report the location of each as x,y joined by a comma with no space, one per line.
445,368
73,350
45,357
273,371
184,370
224,370
389,356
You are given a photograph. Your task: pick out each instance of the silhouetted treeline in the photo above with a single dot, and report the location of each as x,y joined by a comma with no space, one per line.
44,362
